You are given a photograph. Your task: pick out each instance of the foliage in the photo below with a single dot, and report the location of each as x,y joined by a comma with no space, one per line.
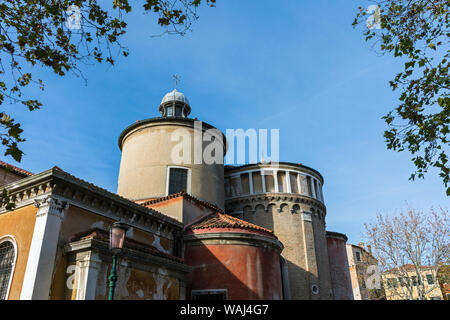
41,33
410,242
418,32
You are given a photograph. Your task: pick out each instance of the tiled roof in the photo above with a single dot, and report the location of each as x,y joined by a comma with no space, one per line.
15,169
181,194
407,267
221,220
154,212
102,235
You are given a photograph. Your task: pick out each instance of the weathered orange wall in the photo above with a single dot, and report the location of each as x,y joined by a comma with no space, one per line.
134,284
19,224
248,272
79,220
340,274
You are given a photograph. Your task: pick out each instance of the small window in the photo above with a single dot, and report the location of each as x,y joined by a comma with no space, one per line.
309,191
316,189
430,279
358,256
257,182
281,181
394,282
178,111
270,185
169,111
7,257
178,180
293,180
245,183
209,295
236,187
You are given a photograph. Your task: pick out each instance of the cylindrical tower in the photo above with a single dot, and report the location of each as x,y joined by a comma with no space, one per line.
286,198
162,156
232,259
340,273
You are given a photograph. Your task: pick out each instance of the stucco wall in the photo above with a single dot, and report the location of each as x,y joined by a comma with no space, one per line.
20,225
247,272
146,155
340,274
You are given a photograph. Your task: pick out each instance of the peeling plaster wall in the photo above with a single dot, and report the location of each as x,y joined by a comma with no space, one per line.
134,284
79,220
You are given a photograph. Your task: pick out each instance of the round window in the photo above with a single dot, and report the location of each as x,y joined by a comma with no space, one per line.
315,289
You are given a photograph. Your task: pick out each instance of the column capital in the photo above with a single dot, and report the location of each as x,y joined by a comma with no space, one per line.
51,206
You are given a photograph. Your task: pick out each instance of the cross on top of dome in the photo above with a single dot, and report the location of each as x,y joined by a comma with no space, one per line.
175,103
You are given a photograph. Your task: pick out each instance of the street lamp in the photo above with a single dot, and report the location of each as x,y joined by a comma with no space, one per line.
116,239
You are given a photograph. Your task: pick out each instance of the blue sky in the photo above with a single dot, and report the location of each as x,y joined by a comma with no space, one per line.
297,66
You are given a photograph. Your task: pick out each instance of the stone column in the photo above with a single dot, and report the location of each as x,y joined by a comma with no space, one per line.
89,266
41,259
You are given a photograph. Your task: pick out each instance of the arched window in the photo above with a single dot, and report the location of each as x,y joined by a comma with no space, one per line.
7,261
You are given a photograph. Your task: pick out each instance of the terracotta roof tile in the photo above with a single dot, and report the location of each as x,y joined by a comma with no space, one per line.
407,267
181,194
222,220
15,169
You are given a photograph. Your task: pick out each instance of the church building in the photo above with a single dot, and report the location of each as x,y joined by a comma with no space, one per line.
195,231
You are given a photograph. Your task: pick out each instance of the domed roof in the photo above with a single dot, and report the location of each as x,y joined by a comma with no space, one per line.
175,95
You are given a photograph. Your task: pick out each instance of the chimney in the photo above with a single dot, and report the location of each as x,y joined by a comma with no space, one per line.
369,248
361,244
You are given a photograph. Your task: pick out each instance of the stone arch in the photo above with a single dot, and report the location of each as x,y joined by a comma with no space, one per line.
270,208
284,208
247,213
262,217
295,209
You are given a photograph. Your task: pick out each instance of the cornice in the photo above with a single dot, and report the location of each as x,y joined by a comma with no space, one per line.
86,195
279,197
131,254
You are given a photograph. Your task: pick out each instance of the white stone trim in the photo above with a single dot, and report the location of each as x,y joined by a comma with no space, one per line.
41,258
316,194
10,238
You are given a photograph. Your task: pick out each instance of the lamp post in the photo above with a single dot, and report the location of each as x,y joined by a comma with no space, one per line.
116,239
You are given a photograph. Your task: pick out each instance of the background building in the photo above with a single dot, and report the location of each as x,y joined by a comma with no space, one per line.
404,283
359,259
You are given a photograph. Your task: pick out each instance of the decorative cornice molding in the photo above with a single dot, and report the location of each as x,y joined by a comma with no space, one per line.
232,238
51,206
65,187
133,255
271,197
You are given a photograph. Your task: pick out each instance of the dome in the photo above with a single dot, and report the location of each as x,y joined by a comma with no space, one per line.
175,96
175,104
